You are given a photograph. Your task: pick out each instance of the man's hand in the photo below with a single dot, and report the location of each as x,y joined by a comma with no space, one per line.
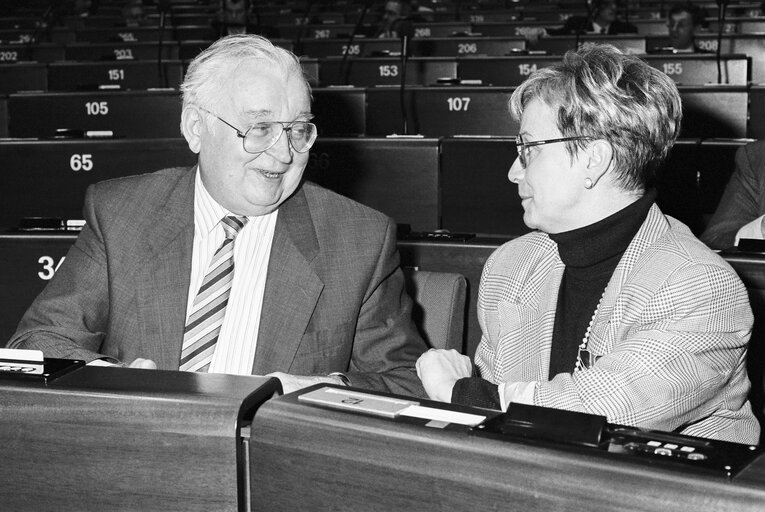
292,383
146,364
440,369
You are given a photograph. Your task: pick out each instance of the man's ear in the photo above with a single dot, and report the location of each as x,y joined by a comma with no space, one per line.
192,125
600,159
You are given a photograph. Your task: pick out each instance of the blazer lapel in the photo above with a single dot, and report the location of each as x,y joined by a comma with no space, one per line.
163,275
609,317
292,287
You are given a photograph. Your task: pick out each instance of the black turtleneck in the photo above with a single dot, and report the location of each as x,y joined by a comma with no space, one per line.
590,254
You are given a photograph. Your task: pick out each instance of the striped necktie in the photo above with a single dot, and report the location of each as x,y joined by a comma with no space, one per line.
209,307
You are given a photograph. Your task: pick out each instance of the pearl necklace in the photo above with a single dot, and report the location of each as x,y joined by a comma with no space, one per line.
583,356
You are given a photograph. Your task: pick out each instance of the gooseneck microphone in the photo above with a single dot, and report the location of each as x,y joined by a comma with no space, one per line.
405,31
721,5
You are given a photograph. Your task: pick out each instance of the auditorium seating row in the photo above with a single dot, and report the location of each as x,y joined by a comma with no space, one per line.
453,183
360,71
436,111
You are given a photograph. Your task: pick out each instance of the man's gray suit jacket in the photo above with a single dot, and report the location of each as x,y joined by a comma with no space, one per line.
334,297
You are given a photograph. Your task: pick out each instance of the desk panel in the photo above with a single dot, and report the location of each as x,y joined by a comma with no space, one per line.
126,74
118,51
122,439
23,76
476,195
441,111
29,262
558,45
715,111
311,458
397,176
503,71
384,71
49,178
339,111
127,114
38,52
700,69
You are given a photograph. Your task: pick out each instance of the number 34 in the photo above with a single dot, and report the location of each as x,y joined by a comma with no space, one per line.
49,267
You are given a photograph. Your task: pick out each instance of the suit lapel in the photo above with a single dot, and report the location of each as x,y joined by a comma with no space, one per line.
609,316
163,276
292,287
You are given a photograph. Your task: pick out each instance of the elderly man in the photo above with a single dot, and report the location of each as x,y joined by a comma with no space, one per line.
235,265
609,307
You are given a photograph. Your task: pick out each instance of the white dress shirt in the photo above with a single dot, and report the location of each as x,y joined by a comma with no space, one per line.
235,350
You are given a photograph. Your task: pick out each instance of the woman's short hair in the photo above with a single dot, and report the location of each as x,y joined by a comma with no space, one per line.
602,93
210,70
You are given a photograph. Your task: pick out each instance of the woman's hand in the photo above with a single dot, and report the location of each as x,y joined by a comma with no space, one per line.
440,369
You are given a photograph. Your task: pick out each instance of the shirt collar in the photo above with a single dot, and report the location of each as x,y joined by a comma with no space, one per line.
207,211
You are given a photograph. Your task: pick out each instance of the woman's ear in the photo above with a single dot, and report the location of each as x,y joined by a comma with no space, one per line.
191,127
600,157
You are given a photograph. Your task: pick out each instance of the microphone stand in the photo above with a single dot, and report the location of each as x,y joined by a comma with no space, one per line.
301,28
721,5
405,31
163,6
583,26
342,74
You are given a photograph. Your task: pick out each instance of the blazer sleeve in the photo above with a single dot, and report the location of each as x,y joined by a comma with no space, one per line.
677,359
740,203
387,344
69,318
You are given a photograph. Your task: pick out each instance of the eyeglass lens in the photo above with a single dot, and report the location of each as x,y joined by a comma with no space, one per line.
262,136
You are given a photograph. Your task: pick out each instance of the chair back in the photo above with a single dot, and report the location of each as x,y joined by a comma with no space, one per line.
439,307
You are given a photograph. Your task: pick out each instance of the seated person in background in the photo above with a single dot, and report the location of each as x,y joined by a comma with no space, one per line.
610,307
396,11
683,20
316,286
233,18
604,20
133,13
741,211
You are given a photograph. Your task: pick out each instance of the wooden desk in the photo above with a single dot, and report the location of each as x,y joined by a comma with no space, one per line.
113,438
309,458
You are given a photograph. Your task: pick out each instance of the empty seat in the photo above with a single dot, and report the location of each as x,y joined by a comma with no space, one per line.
439,307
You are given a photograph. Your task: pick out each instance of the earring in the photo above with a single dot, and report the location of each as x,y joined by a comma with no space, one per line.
588,183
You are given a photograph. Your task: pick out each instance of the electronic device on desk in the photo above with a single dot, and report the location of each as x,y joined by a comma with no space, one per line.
669,449
748,245
50,224
439,235
581,432
30,365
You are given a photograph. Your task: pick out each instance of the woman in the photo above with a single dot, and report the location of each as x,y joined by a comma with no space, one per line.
610,307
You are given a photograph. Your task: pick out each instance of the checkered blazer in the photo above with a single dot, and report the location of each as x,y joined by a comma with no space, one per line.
670,335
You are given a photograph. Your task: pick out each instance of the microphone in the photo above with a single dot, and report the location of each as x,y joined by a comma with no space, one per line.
721,5
405,30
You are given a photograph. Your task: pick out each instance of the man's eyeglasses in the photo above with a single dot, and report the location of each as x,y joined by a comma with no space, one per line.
523,148
261,137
